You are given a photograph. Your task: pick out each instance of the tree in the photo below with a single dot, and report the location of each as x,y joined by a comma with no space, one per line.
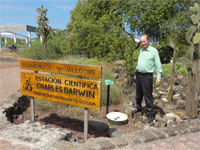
160,18
193,65
107,28
43,28
98,29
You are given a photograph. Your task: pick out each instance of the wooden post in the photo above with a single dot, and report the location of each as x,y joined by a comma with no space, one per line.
32,109
85,124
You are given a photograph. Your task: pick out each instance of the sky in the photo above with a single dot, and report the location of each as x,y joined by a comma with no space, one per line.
23,12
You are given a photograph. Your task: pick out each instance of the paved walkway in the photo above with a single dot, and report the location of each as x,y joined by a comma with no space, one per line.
190,141
9,77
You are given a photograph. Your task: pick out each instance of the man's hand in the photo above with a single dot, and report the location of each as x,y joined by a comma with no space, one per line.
158,81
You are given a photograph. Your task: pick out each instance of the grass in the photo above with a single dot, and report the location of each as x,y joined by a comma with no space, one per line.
48,107
179,69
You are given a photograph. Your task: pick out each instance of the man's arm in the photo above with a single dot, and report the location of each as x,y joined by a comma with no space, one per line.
158,66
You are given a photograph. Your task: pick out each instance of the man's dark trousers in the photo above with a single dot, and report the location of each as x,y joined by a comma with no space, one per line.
144,88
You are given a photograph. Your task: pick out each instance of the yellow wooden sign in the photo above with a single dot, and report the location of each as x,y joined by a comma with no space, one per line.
69,69
73,91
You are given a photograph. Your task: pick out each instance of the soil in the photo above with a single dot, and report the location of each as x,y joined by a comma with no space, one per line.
71,123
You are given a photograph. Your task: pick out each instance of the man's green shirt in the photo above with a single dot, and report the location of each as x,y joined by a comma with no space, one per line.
148,60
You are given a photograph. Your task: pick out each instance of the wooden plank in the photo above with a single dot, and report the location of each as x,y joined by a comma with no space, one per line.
69,69
72,91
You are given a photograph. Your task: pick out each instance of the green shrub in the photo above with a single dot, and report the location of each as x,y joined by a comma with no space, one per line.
179,69
91,61
58,44
166,69
35,52
130,61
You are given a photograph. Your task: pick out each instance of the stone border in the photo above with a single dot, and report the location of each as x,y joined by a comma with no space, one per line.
103,143
137,137
10,102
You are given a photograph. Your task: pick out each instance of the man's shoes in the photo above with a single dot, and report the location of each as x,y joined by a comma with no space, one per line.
151,118
135,111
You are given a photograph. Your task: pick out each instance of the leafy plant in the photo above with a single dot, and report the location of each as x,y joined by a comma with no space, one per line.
35,52
130,57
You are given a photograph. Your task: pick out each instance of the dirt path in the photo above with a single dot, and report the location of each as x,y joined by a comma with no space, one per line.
9,75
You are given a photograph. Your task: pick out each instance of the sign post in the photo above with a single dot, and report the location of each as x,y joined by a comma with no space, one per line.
85,124
108,83
32,109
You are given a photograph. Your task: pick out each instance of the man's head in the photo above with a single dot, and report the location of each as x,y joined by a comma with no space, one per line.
144,40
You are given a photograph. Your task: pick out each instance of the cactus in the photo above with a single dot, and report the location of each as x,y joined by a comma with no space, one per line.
193,67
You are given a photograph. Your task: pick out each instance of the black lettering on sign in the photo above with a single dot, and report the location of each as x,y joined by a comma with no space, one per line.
81,84
78,92
49,87
81,70
69,99
66,90
37,66
87,103
48,79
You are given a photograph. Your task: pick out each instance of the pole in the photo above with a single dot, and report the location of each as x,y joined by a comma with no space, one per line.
108,96
85,124
32,109
0,41
5,42
29,39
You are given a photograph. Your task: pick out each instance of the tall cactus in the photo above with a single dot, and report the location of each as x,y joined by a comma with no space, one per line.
193,67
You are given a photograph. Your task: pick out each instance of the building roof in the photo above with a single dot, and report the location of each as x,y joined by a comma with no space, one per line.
17,28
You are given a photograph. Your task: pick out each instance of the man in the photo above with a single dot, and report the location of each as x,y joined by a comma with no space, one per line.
148,60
